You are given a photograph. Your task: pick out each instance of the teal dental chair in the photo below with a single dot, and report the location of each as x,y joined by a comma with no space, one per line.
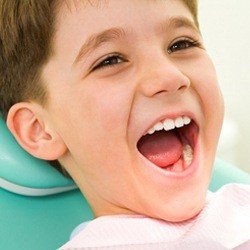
39,208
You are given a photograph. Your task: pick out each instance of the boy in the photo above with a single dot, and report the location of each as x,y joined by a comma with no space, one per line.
123,96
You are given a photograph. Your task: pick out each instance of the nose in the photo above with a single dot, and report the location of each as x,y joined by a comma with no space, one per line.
162,75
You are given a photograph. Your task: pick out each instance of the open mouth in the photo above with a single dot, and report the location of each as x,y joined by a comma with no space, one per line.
171,150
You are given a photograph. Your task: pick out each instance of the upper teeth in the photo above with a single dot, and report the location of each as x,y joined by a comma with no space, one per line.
169,124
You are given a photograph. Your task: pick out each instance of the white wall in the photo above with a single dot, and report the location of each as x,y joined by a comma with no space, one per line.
225,26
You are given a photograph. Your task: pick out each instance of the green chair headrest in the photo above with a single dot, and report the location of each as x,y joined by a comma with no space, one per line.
24,174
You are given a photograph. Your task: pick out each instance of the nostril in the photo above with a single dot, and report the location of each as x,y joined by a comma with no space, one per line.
162,91
183,87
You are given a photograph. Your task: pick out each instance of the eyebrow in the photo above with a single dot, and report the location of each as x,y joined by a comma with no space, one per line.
116,33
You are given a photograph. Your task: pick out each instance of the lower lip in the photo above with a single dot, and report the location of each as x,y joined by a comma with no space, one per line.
187,173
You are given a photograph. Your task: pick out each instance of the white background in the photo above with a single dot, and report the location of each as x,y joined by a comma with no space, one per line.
225,26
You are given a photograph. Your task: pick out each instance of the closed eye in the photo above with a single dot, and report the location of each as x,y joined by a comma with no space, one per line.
183,44
110,61
113,60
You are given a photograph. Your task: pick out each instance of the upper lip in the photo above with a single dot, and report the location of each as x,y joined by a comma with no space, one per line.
170,115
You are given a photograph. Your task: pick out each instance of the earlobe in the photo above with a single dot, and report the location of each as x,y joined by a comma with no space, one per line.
33,133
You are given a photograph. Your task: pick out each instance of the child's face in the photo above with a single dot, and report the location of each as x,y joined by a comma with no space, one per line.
101,113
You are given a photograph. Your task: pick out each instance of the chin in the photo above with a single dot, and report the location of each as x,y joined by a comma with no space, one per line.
186,215
180,213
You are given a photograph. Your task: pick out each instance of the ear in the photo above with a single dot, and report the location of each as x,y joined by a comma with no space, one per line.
34,132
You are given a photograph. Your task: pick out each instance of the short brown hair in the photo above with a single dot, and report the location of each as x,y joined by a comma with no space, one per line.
26,31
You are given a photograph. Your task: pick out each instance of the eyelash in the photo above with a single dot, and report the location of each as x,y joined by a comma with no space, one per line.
192,43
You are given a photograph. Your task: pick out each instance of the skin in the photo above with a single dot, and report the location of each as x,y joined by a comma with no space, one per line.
94,118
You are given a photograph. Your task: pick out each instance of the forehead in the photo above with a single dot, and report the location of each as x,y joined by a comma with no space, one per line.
70,5
65,7
104,13
82,24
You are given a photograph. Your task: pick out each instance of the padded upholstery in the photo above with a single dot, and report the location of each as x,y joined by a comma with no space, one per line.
23,174
44,221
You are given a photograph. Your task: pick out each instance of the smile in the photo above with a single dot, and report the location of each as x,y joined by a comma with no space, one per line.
173,151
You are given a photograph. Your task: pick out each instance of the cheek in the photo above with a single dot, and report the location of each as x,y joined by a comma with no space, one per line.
211,100
211,97
96,123
203,77
107,108
206,87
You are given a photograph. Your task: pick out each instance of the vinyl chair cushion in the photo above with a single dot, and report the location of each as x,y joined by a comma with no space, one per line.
23,174
38,210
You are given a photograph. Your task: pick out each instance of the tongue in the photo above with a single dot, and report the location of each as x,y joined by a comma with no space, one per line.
162,148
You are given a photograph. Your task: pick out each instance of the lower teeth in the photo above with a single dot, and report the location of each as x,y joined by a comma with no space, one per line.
187,157
187,154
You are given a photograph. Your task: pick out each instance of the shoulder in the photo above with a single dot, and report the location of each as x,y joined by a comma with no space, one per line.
229,199
226,216
227,210
237,187
234,192
78,229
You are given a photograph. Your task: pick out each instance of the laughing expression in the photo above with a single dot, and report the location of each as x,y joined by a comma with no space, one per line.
148,70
